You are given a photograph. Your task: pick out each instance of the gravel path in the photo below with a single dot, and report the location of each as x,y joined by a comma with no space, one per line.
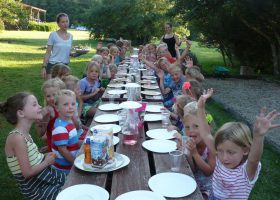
244,99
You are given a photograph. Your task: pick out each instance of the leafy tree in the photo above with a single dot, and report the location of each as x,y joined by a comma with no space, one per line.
137,20
245,29
12,15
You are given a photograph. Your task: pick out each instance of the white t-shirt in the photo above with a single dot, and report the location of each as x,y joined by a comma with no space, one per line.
232,183
60,48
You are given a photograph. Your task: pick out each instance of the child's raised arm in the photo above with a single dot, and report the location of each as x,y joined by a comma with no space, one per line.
203,126
262,125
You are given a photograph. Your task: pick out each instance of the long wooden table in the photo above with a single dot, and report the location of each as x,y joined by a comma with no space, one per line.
143,165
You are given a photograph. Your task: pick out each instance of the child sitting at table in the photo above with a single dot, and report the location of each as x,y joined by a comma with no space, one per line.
193,73
31,169
113,71
50,89
176,84
114,55
192,88
200,158
64,135
60,71
91,90
73,83
178,112
104,70
237,153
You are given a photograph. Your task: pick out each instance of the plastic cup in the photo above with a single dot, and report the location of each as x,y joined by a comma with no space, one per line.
184,145
176,160
165,114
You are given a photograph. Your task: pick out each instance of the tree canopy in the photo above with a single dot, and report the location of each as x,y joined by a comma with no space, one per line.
245,29
138,20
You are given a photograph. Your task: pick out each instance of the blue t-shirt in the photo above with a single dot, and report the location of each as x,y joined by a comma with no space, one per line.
176,87
88,88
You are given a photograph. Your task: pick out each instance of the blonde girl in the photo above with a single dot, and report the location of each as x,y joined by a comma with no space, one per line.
91,90
31,169
50,89
193,73
104,69
114,55
192,88
60,71
201,160
238,154
178,112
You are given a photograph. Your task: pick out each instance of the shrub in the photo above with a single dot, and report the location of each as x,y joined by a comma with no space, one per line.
47,26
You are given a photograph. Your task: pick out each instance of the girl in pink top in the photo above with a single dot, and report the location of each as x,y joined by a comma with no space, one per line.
238,155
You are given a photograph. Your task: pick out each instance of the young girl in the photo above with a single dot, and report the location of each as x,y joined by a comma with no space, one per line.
193,73
238,155
178,112
31,169
90,90
60,71
192,88
50,89
201,160
64,135
114,55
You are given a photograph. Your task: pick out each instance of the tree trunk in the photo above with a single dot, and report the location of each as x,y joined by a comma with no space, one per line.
274,58
224,56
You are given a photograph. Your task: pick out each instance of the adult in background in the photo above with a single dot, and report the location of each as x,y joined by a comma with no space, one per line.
59,46
170,39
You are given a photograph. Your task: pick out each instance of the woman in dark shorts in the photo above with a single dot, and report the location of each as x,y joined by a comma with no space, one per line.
59,46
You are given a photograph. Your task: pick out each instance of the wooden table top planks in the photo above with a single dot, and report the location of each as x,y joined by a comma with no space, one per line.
143,165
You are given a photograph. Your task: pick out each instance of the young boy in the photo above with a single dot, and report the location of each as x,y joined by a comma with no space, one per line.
64,135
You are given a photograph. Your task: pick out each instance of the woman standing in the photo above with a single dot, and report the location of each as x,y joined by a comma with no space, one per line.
59,46
170,39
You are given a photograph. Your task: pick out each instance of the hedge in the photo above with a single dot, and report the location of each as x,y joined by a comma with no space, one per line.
2,26
47,26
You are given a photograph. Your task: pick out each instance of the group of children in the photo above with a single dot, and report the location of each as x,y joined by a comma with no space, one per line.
226,164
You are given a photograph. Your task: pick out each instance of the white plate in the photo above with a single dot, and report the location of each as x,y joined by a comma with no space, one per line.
140,195
116,128
116,140
154,108
120,79
149,77
160,146
161,134
109,107
112,92
150,87
115,85
151,93
122,74
173,185
106,118
132,85
120,162
83,191
147,81
130,105
152,117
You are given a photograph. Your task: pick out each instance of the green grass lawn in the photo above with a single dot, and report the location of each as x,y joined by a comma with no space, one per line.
20,66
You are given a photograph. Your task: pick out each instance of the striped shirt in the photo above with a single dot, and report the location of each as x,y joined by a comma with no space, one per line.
64,134
232,184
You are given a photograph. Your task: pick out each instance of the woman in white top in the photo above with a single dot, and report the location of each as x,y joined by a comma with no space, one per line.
59,46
